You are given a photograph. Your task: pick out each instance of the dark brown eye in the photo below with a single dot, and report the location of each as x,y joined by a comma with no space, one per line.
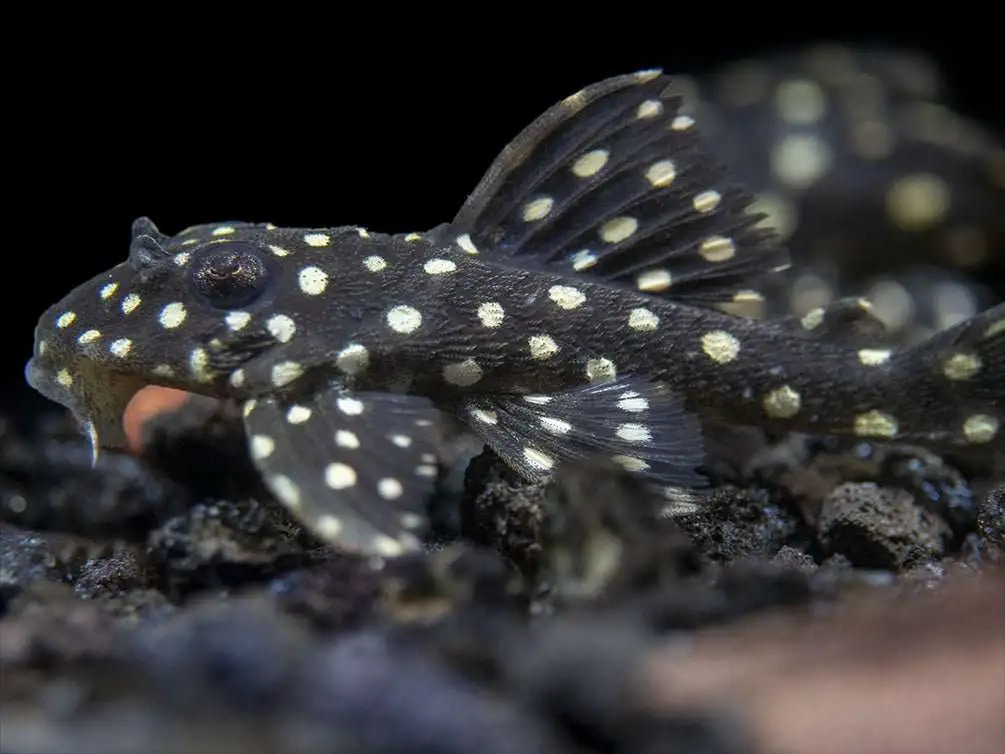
230,275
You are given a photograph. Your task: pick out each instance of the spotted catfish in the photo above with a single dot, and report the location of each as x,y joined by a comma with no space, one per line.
570,308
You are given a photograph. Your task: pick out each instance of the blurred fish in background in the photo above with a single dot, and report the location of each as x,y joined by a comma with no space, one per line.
877,186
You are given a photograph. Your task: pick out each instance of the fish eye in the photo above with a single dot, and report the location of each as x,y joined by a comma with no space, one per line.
230,275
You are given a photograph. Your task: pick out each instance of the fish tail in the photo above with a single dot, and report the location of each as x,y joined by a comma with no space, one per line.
957,378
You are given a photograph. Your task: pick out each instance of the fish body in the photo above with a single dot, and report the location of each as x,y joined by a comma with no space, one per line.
582,301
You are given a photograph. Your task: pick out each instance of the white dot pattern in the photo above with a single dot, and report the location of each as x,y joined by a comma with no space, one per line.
618,229
313,280
404,319
172,315
350,406
566,297
130,303
317,240
353,359
439,267
237,320
298,414
340,476
375,263
542,346
120,347
346,439
537,209
286,372
661,173
281,327
491,314
590,163
463,374
643,320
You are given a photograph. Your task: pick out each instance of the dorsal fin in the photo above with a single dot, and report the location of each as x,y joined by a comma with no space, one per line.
614,183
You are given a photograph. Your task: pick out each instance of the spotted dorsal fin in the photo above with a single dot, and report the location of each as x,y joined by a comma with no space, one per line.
613,182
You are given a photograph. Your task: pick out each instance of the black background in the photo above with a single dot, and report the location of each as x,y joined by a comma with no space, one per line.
384,122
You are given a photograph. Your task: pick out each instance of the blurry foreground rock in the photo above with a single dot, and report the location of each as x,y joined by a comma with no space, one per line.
923,674
167,604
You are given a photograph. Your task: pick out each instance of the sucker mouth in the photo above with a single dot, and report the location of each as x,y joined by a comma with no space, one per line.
97,397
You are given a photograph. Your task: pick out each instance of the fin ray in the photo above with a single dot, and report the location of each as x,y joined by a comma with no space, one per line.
638,424
355,467
614,184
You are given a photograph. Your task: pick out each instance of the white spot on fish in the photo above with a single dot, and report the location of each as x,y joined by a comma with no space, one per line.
130,303
237,320
340,476
491,314
465,242
353,359
317,240
375,263
538,459
313,280
566,296
634,433
661,173
121,347
537,209
618,229
262,447
643,320
350,406
590,163
390,488
172,315
346,439
286,372
542,346
439,266
298,414
404,319
463,374
282,327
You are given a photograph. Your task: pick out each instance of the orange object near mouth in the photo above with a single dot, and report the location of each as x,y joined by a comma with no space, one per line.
149,402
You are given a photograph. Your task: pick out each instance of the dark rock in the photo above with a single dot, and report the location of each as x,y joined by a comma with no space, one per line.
112,575
26,557
224,543
880,527
46,627
991,519
741,523
338,595
48,483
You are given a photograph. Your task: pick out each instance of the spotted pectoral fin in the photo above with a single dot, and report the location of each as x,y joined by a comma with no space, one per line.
640,425
613,182
355,468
